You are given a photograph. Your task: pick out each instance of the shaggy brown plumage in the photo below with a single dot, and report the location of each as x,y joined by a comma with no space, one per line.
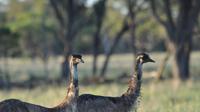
68,104
124,103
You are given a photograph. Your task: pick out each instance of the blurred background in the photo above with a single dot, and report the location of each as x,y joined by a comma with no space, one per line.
37,37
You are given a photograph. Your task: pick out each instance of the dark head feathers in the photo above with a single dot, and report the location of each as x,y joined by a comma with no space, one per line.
77,56
144,57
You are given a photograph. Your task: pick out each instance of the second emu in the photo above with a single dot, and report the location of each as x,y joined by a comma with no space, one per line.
124,103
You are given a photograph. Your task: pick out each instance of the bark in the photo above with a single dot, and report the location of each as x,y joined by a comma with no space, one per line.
182,61
181,56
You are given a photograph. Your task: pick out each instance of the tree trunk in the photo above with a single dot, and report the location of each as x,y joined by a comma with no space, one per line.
65,64
132,34
65,69
162,66
183,41
1,79
182,62
99,9
6,72
132,13
69,38
96,49
96,45
67,22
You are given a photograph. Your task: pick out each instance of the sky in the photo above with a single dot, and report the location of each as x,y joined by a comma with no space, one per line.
3,1
91,2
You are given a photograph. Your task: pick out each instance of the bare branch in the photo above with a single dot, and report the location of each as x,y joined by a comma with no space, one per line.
57,12
154,10
168,12
118,36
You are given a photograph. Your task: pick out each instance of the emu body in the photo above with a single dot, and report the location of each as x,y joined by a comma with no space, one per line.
68,105
14,105
124,103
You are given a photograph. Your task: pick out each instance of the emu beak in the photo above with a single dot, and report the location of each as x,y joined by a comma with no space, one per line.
150,60
82,61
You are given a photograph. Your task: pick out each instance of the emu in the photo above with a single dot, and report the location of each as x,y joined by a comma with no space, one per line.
124,103
68,104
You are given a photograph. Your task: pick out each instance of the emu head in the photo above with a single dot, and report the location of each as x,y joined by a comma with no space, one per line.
76,59
144,58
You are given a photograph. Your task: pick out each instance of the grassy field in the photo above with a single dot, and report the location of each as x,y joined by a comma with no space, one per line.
156,96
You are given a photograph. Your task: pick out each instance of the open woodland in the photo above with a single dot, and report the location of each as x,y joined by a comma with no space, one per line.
38,36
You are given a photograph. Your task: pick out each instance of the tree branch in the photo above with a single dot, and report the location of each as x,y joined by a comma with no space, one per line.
118,36
154,11
58,13
140,6
168,12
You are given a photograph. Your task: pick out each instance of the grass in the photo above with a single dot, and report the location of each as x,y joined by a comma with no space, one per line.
156,96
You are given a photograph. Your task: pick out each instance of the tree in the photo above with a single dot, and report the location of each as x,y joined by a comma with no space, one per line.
179,28
118,36
100,10
31,20
70,15
129,23
134,7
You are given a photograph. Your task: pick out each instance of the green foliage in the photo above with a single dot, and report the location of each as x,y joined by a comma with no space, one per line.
9,42
147,26
24,14
30,19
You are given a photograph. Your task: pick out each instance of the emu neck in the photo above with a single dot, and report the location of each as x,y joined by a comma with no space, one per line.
138,70
135,81
75,78
73,88
72,91
74,75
